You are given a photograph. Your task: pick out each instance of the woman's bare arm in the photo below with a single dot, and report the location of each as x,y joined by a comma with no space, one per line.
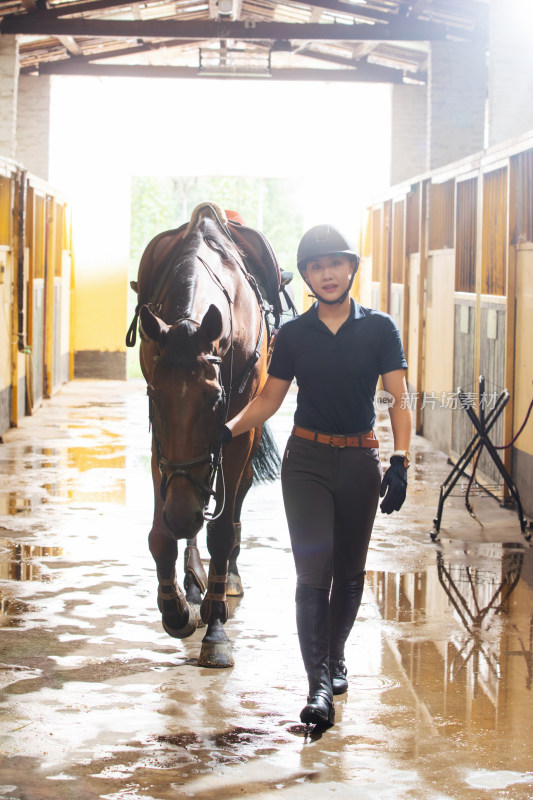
261,407
401,419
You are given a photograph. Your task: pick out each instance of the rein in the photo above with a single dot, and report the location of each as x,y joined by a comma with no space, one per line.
168,469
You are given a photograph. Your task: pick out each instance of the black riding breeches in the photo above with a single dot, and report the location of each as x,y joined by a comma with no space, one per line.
331,496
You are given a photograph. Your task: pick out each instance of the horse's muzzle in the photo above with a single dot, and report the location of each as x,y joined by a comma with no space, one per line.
183,525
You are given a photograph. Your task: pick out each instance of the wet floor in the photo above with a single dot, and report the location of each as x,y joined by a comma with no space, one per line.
96,701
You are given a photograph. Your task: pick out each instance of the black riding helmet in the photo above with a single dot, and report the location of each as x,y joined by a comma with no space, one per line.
325,240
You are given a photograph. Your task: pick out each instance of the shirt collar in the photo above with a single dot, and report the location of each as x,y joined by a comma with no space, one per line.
311,315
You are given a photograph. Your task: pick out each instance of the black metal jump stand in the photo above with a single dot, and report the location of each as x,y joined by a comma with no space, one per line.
483,425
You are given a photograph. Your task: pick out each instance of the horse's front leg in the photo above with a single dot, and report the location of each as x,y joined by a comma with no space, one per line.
216,647
179,619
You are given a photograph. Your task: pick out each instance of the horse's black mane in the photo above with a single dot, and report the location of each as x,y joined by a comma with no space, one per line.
183,347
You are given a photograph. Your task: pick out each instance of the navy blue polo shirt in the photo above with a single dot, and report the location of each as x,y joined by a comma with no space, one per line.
337,373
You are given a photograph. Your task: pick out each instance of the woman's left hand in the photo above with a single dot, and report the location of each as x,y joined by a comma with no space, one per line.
394,484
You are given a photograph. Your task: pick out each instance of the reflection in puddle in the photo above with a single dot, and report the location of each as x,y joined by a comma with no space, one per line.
18,561
110,456
462,638
12,611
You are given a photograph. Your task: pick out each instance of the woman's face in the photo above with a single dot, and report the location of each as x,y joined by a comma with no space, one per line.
329,276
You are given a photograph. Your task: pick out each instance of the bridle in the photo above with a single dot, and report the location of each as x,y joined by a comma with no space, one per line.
172,469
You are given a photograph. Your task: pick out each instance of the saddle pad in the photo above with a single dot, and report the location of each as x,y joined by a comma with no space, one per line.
261,260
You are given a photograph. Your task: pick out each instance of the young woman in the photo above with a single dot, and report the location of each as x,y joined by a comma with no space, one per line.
331,473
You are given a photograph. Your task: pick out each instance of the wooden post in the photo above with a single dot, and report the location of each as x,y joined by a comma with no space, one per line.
15,179
405,279
423,238
49,296
72,296
510,315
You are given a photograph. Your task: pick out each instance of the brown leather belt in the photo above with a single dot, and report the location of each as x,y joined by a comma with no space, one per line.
337,439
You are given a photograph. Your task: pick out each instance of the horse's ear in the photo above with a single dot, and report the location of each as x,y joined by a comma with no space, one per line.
152,326
211,325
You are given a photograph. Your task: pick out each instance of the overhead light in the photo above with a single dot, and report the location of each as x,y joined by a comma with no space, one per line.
234,63
225,8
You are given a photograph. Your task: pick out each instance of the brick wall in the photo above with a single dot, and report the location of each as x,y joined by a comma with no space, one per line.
408,134
457,92
8,94
33,124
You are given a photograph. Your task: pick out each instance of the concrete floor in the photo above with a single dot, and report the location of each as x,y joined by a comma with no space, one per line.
98,702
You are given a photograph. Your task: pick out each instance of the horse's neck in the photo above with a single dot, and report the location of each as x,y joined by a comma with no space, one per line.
236,302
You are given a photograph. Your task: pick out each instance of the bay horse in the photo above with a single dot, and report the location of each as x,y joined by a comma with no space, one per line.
203,354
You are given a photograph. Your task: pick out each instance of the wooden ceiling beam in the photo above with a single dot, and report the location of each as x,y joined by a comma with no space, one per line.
70,44
146,47
247,30
78,67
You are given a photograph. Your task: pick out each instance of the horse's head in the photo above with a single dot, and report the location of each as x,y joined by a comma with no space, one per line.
187,408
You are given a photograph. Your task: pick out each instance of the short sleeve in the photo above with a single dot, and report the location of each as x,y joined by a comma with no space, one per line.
282,364
391,355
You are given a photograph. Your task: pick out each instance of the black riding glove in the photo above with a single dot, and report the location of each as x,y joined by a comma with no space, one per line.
394,483
225,435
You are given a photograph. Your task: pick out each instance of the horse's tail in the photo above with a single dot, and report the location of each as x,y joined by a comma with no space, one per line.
267,462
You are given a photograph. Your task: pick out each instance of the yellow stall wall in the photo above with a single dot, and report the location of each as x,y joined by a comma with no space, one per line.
101,231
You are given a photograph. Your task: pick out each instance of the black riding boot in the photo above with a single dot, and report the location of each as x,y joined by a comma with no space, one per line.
343,607
312,622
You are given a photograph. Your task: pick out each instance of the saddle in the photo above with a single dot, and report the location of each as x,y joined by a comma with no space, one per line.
258,256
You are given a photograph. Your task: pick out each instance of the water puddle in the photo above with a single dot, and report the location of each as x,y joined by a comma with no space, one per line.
461,632
97,701
485,779
21,562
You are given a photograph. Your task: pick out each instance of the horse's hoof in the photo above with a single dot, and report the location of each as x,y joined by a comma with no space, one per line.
216,654
187,630
234,585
